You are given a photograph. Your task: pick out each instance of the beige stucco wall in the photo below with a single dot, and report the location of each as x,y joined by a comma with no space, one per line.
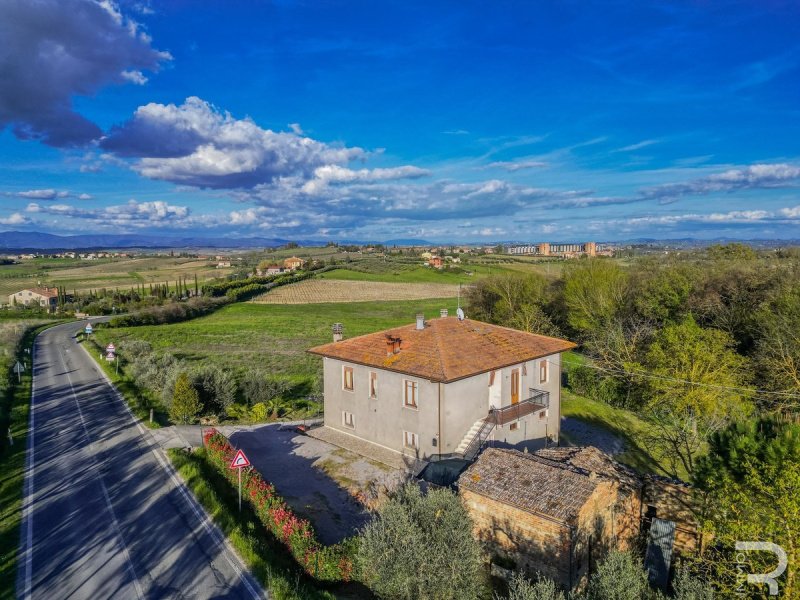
382,420
26,298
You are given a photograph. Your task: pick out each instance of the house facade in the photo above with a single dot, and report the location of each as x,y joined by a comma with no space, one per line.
444,387
45,297
293,263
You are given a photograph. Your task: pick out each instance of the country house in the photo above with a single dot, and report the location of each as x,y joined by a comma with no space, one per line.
444,388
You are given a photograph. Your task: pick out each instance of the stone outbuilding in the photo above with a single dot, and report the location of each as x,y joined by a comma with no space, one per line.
556,512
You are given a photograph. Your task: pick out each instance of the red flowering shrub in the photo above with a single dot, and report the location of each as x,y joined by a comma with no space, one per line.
326,563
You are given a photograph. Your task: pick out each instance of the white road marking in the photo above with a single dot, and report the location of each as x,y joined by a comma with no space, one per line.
125,552
29,470
205,522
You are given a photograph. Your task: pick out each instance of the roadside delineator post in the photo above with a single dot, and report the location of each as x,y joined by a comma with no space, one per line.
239,462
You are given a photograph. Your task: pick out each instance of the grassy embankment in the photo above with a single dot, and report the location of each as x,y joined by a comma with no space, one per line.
266,558
14,413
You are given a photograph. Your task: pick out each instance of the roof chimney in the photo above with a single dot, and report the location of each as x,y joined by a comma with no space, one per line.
393,345
443,312
337,332
420,322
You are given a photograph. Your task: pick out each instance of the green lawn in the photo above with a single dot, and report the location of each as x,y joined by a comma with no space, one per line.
624,424
275,338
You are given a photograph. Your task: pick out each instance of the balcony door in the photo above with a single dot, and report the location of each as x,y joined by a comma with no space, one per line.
514,386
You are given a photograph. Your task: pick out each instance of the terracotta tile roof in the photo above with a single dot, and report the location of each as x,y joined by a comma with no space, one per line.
555,482
43,291
593,460
530,482
446,349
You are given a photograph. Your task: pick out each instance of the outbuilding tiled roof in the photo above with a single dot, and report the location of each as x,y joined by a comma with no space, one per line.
446,349
593,460
531,483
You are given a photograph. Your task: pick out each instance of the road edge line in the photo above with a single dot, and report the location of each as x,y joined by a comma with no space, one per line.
205,520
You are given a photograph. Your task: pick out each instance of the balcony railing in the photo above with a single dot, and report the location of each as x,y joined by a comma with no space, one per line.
538,400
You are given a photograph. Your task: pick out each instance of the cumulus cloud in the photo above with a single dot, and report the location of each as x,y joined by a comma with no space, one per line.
47,194
14,219
196,144
323,176
53,50
135,214
744,178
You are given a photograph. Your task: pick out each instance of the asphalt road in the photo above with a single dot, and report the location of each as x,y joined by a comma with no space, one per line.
104,516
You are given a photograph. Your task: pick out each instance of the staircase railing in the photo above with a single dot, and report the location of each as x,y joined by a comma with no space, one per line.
476,444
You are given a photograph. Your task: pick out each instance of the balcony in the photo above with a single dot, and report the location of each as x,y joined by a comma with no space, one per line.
538,400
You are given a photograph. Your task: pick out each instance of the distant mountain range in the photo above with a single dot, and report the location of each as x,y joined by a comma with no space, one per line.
34,240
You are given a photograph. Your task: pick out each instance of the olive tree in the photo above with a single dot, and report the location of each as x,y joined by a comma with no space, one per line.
420,546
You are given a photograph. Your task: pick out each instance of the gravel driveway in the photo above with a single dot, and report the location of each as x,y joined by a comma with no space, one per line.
302,469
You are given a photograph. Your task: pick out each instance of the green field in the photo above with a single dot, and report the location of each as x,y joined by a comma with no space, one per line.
273,337
123,273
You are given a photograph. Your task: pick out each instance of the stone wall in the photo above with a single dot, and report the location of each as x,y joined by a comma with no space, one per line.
534,544
673,502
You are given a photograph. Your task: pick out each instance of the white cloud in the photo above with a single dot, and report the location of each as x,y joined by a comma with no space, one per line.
743,178
46,194
135,214
323,176
136,77
512,166
637,146
196,144
14,219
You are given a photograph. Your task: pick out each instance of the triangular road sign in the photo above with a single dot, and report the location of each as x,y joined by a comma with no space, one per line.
240,460
19,368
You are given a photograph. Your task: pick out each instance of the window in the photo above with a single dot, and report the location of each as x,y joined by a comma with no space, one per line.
348,420
543,371
410,396
347,378
513,426
410,439
373,384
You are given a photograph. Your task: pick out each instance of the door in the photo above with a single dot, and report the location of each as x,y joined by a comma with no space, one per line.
515,386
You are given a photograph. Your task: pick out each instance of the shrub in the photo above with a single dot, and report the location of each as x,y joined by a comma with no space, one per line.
259,412
619,577
326,563
185,403
519,588
216,388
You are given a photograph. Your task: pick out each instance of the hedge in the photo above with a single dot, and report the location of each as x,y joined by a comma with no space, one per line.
325,563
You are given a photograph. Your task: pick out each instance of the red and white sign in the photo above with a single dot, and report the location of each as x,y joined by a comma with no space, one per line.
111,348
239,461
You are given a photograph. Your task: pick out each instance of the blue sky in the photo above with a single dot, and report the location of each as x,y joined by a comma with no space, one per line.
448,121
